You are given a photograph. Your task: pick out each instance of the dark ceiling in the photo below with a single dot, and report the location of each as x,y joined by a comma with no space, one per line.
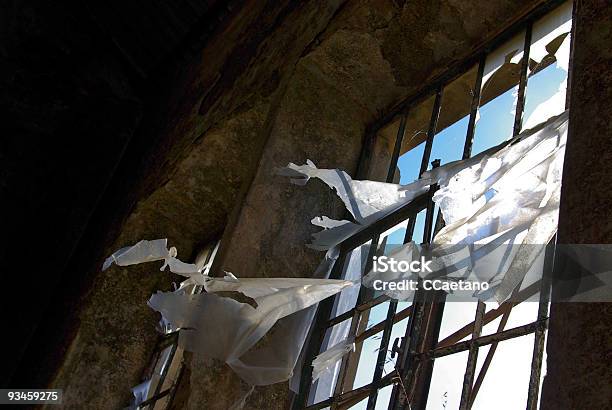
76,78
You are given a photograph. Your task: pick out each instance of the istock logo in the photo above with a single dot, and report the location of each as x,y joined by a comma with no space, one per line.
386,264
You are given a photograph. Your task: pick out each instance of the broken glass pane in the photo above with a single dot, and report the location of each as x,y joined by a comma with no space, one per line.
548,66
365,356
382,152
419,227
398,332
454,117
498,94
323,388
413,144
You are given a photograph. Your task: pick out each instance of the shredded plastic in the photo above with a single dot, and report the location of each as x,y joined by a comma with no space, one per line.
329,358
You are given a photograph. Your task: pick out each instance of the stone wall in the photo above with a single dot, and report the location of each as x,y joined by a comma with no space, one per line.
579,344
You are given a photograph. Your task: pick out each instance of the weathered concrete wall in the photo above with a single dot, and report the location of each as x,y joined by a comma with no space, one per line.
116,333
183,187
579,339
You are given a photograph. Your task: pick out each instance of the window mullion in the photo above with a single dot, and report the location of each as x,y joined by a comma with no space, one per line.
345,359
359,315
422,310
469,138
520,102
322,315
433,124
468,378
382,354
398,146
540,333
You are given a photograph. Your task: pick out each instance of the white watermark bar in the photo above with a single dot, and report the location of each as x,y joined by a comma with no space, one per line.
430,284
493,270
30,396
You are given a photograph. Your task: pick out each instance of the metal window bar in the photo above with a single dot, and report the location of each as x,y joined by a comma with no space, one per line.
356,324
322,318
431,132
520,102
414,328
389,321
469,138
468,378
313,347
391,315
171,391
347,399
540,334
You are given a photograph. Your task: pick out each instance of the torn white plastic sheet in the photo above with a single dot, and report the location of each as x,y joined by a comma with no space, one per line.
329,358
512,191
151,251
275,360
333,232
505,189
327,264
345,301
497,186
225,329
228,329
367,201
143,251
362,198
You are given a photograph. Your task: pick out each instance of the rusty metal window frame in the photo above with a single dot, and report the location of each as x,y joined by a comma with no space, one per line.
420,346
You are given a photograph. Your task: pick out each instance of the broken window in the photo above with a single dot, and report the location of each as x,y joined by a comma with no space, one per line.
427,353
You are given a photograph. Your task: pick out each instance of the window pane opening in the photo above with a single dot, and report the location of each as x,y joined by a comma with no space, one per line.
499,95
548,66
454,117
413,143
